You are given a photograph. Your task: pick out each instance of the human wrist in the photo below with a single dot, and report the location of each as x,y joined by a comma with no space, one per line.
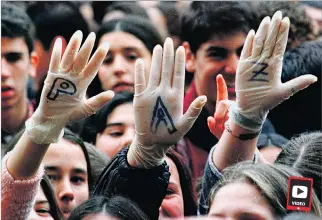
44,130
239,132
145,156
251,122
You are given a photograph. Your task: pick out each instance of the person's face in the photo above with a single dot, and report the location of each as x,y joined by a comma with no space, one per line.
172,204
219,55
16,65
98,216
41,208
66,166
119,131
239,201
117,71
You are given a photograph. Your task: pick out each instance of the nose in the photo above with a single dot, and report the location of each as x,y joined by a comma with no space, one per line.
64,191
119,66
232,62
128,136
5,68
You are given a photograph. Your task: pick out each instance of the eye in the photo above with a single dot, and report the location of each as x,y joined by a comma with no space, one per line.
108,59
43,211
132,56
13,57
116,134
53,177
169,192
77,179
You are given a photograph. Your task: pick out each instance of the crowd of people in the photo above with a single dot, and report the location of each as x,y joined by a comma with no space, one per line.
160,110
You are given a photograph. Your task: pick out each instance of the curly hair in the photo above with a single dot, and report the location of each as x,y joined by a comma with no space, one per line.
301,28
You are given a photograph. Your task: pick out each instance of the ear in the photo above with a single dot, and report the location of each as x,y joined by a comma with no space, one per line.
190,58
34,61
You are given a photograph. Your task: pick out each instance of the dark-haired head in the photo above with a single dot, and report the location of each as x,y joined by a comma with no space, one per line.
16,23
304,153
184,181
122,9
130,38
117,207
204,20
112,127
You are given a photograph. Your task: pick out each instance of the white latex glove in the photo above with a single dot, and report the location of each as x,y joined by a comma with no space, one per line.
258,78
159,119
63,96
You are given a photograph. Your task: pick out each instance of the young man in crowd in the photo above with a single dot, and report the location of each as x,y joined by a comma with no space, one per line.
18,62
213,35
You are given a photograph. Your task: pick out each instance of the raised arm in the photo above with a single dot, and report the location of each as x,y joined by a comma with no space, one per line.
258,90
62,101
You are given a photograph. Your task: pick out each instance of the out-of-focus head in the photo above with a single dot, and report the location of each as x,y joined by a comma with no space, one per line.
270,145
122,9
304,153
100,207
130,38
301,26
213,34
112,127
314,11
18,61
45,206
254,191
179,200
53,19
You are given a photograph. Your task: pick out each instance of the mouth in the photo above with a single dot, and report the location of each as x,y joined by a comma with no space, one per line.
123,87
6,92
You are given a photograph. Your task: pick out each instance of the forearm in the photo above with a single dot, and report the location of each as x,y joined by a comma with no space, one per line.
230,149
25,159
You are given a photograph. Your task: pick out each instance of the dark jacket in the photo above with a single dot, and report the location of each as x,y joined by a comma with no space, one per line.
146,187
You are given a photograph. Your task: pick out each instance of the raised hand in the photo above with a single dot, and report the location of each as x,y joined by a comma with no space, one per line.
258,78
216,124
63,96
158,104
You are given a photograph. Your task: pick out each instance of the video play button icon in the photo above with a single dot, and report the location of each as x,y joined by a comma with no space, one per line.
299,192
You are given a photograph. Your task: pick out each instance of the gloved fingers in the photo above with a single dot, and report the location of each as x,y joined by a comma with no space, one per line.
71,52
55,56
179,70
167,63
84,54
247,48
281,41
94,103
222,93
155,72
139,78
189,118
96,60
260,37
299,83
272,34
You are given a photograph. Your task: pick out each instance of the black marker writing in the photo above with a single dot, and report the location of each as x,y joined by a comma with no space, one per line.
61,86
161,114
255,77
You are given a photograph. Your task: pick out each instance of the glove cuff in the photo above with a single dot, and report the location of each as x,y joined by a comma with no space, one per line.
42,131
253,124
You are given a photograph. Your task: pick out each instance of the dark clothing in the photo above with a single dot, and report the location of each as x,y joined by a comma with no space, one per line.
146,187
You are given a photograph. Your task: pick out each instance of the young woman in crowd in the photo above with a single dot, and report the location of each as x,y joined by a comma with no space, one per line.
130,38
112,128
45,206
